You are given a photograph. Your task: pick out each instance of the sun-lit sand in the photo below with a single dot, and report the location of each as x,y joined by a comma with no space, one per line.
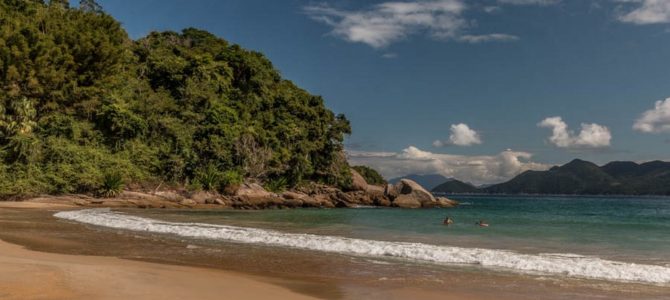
26,274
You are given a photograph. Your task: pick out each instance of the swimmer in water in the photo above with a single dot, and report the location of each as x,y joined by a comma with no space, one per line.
482,223
448,221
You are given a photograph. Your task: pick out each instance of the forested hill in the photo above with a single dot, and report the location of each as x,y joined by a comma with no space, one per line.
580,177
82,104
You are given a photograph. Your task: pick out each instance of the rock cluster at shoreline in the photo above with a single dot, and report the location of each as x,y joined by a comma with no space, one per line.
404,194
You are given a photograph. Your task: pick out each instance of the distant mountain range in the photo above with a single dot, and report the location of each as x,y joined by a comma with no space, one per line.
579,177
428,181
456,187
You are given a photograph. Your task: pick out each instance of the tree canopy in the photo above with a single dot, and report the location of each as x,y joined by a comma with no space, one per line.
79,99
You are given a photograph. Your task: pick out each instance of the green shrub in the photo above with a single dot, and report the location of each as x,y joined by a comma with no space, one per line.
112,185
230,181
232,177
276,185
209,177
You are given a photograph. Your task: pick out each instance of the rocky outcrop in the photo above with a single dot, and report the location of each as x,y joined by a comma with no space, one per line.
251,195
358,183
412,189
390,191
445,202
409,194
252,192
406,201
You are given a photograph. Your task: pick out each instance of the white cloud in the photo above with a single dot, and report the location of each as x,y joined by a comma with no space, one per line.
655,120
389,22
493,37
475,169
591,135
648,12
529,2
461,135
492,9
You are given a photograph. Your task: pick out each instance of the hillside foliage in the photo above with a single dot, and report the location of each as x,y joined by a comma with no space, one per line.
80,100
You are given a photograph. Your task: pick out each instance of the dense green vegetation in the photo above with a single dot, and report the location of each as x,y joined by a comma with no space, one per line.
85,109
370,175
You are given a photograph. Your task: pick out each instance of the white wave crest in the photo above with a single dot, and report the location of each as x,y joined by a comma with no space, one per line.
565,264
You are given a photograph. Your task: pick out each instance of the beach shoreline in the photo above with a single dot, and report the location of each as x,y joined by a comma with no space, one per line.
34,264
290,272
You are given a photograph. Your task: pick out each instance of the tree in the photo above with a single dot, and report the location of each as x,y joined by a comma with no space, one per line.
79,98
90,6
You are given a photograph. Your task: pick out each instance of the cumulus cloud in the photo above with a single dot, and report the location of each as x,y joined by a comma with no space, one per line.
482,38
655,120
475,169
461,135
389,22
492,9
647,12
591,135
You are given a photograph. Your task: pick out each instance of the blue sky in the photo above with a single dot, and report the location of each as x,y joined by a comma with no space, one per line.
467,89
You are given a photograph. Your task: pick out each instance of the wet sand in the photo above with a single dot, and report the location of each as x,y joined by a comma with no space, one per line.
152,262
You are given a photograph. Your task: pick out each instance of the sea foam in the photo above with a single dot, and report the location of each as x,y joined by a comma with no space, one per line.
551,263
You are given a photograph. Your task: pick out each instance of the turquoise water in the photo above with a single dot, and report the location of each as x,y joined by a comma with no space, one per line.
621,228
602,238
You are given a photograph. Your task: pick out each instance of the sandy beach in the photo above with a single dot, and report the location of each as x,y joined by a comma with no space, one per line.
29,274
26,274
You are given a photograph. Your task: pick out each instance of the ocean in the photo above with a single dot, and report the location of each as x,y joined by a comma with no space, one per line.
624,239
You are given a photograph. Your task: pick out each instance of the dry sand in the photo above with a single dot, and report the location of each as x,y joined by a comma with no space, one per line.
26,274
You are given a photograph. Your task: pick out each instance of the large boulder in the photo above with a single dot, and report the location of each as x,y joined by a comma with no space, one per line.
358,183
252,191
390,191
446,202
361,198
381,200
290,195
406,201
409,188
203,197
253,195
375,190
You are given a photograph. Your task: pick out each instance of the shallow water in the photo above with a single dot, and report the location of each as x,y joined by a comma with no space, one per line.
593,238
